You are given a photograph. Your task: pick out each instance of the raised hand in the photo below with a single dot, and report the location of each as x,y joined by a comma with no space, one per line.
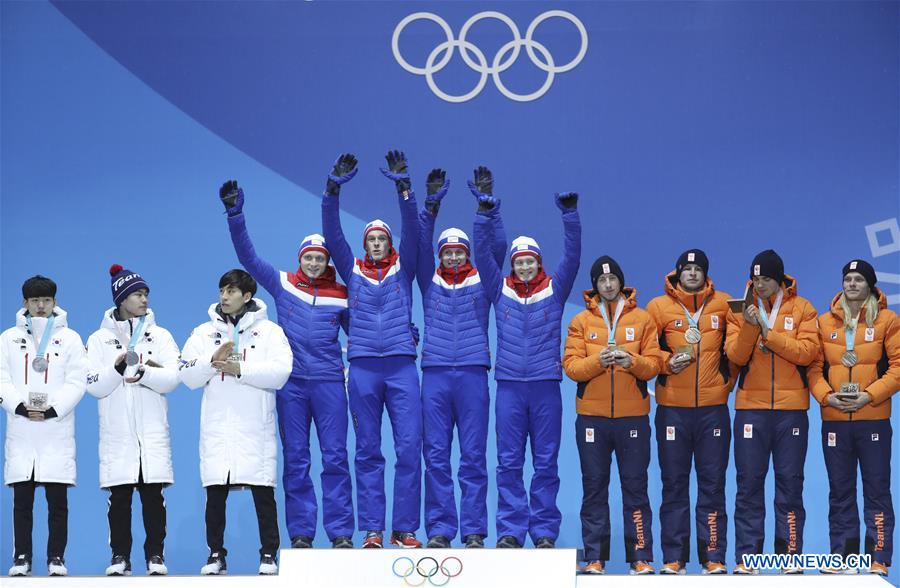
483,184
343,171
566,200
437,185
397,170
232,197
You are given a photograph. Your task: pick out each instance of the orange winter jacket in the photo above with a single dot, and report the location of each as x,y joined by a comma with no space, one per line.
709,379
613,391
877,370
776,379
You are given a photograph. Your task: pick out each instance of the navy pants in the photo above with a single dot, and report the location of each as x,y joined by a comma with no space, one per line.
299,403
701,435
528,410
758,435
376,383
629,437
455,397
868,443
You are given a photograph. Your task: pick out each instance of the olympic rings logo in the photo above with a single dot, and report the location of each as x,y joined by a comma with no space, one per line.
427,569
500,62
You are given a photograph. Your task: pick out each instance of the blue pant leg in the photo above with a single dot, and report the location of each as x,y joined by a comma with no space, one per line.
674,444
545,429
404,405
712,448
751,460
329,403
294,414
512,430
873,442
471,405
594,437
839,449
366,393
438,384
788,460
632,443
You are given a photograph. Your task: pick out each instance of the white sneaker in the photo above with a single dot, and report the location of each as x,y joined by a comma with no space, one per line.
156,566
56,566
215,565
119,566
21,567
267,565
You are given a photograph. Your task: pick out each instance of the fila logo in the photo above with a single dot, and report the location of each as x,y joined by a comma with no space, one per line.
678,322
874,436
670,433
633,433
717,432
592,336
796,431
834,335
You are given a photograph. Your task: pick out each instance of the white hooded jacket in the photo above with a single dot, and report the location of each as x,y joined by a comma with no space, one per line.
134,427
46,448
237,414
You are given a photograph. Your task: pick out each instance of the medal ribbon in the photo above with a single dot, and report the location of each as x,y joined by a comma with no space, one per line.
770,319
850,335
45,337
136,334
611,329
694,319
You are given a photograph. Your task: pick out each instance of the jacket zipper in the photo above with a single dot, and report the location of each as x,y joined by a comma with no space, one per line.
850,379
612,377
697,378
378,332
453,308
525,316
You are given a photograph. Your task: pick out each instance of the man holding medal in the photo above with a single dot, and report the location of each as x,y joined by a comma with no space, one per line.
240,358
42,372
773,340
692,418
133,364
853,381
612,352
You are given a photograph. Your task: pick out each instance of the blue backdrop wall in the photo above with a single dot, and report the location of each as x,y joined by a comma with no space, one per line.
729,126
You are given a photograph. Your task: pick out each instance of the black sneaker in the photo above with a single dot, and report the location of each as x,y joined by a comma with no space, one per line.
439,542
342,542
545,543
474,541
119,566
301,542
215,565
508,542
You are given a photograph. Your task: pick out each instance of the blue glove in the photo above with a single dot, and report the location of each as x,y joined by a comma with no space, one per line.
232,198
397,170
566,201
437,186
414,330
343,171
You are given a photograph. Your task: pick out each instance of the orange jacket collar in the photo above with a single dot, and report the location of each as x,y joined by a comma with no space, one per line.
592,300
837,311
691,300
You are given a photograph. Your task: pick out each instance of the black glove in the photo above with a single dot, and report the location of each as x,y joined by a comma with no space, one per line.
343,171
484,182
21,410
120,366
50,413
437,186
397,170
566,200
232,197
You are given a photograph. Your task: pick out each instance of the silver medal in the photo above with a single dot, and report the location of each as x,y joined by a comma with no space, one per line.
132,358
692,335
40,364
849,358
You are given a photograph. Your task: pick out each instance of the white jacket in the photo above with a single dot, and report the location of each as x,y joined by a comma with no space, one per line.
237,415
46,448
134,428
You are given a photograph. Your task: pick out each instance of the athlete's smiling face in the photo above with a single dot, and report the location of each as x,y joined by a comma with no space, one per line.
313,263
526,267
453,257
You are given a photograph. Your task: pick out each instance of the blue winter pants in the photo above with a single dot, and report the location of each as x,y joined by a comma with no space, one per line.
846,443
528,410
701,435
455,397
759,434
300,402
629,437
376,383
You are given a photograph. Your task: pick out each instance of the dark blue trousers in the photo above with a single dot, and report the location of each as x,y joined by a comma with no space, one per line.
867,443
375,383
299,403
701,435
455,397
528,410
629,438
758,435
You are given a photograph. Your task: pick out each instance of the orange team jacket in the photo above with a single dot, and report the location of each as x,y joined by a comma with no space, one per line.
776,379
877,370
614,391
706,381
